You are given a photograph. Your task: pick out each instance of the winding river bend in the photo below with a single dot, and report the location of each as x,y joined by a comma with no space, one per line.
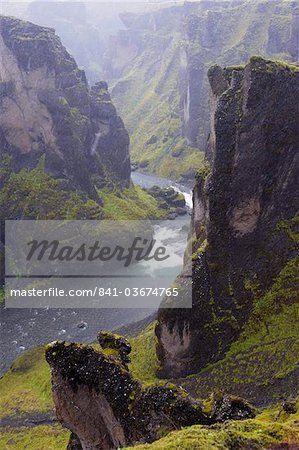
22,329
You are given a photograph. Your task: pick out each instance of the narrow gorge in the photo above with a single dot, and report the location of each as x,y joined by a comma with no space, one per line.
195,133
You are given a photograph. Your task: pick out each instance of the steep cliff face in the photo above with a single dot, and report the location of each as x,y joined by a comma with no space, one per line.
230,33
165,56
47,109
245,242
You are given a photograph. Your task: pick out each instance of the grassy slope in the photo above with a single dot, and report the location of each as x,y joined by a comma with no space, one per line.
133,203
151,108
262,362
27,392
144,362
25,190
43,437
25,387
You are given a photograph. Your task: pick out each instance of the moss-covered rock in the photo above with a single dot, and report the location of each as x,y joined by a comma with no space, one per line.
169,200
113,341
99,401
28,389
245,237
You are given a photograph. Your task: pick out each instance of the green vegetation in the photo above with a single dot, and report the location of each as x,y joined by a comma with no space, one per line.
202,248
132,203
283,292
2,295
267,349
27,391
25,387
271,66
144,362
150,108
35,195
266,429
288,226
43,437
174,167
151,97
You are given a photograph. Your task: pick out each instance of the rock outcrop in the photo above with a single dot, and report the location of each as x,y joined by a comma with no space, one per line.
106,408
100,402
245,206
47,109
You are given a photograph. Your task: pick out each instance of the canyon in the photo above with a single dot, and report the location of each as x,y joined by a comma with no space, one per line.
160,84
198,106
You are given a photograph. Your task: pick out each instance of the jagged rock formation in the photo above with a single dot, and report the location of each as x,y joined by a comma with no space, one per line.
166,54
245,241
47,109
97,398
105,408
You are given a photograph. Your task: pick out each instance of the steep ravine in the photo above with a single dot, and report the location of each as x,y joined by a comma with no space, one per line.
240,336
245,291
25,329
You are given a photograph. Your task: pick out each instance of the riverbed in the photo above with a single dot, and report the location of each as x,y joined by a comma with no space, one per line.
22,329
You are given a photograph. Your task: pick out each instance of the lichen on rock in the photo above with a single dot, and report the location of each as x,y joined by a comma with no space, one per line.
105,407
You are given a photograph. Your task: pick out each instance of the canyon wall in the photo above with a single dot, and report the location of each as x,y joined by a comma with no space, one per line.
245,263
49,112
158,67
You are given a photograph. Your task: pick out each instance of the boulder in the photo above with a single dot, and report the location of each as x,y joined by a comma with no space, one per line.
227,407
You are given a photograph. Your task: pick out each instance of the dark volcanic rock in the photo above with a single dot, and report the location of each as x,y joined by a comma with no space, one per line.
167,197
105,408
226,407
74,443
241,211
111,144
115,342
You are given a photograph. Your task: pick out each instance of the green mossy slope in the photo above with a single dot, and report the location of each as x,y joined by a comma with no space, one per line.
144,361
43,437
266,430
35,195
25,387
162,93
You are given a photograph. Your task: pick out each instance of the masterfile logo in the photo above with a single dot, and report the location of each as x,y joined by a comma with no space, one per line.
91,264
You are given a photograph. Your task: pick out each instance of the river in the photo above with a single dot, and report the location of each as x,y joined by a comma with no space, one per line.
22,329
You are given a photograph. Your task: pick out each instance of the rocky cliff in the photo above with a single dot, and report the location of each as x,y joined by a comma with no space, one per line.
245,279
97,398
48,110
158,66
